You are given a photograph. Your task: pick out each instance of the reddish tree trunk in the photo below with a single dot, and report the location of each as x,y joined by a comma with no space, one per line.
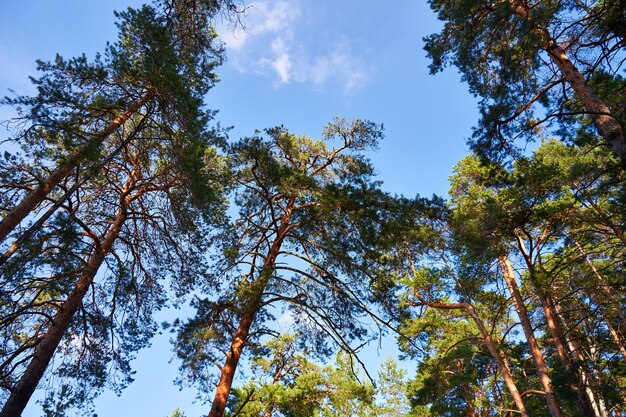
497,355
522,312
36,196
247,319
618,338
555,328
43,353
230,366
608,126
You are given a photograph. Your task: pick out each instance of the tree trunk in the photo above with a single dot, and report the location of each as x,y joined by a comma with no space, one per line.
555,328
522,312
43,353
247,319
608,126
604,287
232,359
502,363
590,400
497,355
36,196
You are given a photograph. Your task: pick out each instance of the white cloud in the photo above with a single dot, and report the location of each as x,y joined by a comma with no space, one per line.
339,66
342,65
282,61
269,46
264,17
286,321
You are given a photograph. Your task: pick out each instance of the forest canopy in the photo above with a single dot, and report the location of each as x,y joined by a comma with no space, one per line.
281,259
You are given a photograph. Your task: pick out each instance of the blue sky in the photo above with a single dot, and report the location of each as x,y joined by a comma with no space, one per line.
299,63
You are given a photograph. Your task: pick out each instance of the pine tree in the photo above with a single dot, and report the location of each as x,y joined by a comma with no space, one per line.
529,61
310,216
160,69
141,190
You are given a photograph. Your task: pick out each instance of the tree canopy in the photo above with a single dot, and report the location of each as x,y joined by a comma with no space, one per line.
282,257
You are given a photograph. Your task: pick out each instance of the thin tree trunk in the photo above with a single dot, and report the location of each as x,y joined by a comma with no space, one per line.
497,355
552,319
604,287
555,328
25,237
36,196
35,227
43,353
614,335
590,399
247,319
501,361
522,312
605,218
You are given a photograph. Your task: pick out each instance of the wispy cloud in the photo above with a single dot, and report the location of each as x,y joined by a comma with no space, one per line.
269,46
281,63
261,18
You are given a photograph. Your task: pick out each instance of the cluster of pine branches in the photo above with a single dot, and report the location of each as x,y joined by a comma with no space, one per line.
509,295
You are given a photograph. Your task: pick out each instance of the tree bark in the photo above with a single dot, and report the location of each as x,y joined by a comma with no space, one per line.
36,196
43,353
608,126
497,355
604,287
555,328
522,312
247,318
591,400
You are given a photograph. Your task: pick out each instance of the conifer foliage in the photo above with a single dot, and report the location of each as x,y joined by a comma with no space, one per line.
507,298
120,176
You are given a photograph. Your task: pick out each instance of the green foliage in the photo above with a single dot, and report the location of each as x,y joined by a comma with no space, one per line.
287,383
392,390
161,167
500,50
178,413
315,205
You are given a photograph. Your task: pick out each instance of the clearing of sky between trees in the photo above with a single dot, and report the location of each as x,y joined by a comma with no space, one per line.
281,257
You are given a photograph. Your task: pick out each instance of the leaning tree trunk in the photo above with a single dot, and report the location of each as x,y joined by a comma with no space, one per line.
45,349
522,312
608,126
36,196
497,355
35,227
610,298
247,318
556,331
588,381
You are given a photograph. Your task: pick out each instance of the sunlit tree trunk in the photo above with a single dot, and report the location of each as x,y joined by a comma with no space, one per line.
60,323
252,306
498,356
535,351
555,328
618,338
588,382
608,126
30,202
